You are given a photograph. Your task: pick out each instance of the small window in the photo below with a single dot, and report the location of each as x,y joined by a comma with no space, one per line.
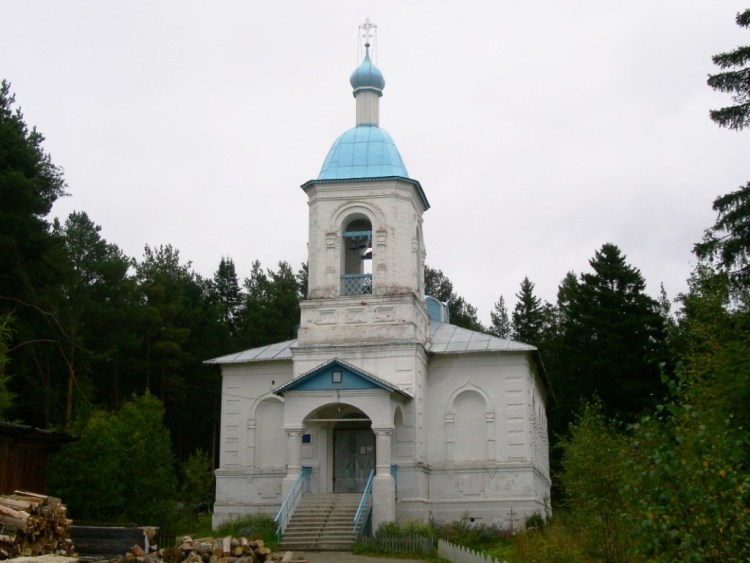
336,376
306,438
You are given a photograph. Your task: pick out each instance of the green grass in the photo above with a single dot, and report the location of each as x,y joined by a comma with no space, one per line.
195,527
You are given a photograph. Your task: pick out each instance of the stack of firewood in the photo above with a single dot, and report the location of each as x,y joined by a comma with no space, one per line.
222,550
32,524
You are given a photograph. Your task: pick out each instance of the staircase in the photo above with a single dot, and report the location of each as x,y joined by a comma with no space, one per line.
322,522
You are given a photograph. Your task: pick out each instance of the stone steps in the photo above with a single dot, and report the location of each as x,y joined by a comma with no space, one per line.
322,522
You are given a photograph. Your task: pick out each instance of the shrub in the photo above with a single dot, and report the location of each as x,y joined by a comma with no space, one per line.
404,528
408,538
692,487
593,459
558,542
479,537
197,489
121,470
535,522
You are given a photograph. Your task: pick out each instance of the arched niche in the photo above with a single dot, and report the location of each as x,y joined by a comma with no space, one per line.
469,427
269,433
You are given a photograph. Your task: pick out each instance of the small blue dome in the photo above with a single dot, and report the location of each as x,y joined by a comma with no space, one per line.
367,76
365,151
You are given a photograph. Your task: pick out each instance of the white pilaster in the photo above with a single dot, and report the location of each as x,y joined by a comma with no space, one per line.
383,486
294,455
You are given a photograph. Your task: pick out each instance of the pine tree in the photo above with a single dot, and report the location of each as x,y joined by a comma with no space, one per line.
29,185
94,317
500,324
270,312
6,397
30,262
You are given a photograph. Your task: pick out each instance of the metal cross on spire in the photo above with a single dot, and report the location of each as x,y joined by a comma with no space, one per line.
367,37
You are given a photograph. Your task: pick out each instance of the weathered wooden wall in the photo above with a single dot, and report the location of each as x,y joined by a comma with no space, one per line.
22,466
24,455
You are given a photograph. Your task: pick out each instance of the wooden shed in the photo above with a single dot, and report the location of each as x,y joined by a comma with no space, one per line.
24,453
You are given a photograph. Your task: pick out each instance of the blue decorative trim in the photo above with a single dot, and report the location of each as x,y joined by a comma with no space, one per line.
353,379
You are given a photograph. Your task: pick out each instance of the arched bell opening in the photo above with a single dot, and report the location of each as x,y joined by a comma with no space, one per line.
356,267
350,446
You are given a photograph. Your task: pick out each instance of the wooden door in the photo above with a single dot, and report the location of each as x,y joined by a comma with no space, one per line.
354,458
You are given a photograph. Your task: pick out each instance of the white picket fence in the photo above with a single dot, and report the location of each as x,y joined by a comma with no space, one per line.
458,554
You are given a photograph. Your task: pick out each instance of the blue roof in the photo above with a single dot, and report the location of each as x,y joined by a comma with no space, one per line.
364,151
367,76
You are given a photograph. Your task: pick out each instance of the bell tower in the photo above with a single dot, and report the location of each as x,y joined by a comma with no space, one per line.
365,251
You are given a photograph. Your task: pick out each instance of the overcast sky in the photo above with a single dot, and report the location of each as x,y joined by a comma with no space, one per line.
538,130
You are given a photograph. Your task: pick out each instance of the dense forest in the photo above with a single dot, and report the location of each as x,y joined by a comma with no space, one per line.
648,422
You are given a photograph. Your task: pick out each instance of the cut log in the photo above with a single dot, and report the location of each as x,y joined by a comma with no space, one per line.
17,519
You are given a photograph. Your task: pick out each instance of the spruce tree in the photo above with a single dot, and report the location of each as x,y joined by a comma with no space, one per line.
528,315
734,80
226,293
611,340
727,242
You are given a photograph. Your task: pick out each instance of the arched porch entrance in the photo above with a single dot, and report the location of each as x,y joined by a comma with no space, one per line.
339,422
350,445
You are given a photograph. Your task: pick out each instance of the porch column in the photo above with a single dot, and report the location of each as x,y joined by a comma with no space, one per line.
383,487
294,460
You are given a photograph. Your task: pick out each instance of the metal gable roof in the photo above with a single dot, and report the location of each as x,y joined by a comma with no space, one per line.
269,353
446,339
451,339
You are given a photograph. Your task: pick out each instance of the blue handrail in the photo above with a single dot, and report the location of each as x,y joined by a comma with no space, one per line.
290,502
359,523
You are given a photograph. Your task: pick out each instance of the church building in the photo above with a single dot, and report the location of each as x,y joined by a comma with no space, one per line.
379,393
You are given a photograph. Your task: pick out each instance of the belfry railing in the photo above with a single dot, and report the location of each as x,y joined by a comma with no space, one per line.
356,284
364,510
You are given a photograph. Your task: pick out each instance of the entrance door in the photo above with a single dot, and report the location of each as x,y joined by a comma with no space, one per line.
354,458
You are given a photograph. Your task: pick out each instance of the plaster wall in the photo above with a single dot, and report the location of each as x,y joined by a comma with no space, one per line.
484,444
395,213
250,468
363,319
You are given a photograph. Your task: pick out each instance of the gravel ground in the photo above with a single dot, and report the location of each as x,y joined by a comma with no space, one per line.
346,557
44,559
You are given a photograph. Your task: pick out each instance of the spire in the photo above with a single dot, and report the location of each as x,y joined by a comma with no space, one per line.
367,81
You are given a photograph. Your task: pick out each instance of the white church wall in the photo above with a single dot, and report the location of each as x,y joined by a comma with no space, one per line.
480,437
503,380
251,466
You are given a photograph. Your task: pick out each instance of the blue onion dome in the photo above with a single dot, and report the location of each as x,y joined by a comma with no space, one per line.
367,76
364,151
